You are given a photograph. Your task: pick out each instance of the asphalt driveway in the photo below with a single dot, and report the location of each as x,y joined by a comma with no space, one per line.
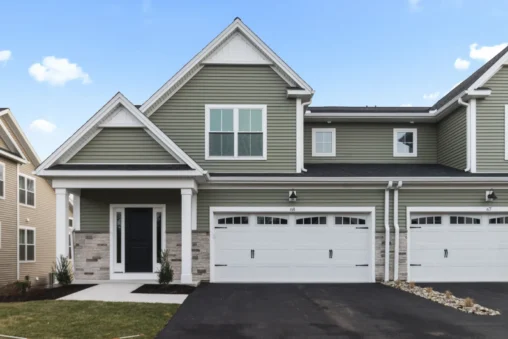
323,311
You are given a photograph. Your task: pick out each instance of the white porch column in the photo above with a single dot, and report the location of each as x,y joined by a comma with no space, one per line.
62,222
194,211
186,277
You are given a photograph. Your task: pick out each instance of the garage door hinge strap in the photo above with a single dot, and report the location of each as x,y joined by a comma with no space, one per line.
362,265
415,265
220,265
220,227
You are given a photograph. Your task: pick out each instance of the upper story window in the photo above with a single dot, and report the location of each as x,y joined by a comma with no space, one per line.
323,142
2,181
235,132
405,142
26,190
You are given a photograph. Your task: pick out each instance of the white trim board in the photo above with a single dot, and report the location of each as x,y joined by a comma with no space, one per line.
66,149
293,210
237,27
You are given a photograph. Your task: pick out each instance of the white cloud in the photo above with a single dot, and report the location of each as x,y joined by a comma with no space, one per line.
57,71
462,64
42,125
431,96
5,55
485,53
415,5
406,105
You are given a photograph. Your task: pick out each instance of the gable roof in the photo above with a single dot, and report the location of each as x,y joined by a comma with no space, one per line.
120,107
12,133
196,63
474,82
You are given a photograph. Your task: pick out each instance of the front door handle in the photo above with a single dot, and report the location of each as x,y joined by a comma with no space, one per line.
446,253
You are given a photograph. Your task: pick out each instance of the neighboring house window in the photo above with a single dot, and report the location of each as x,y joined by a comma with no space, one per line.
323,142
236,132
71,221
2,180
71,245
506,132
26,190
26,244
405,142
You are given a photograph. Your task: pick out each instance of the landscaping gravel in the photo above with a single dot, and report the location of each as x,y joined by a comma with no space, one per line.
442,298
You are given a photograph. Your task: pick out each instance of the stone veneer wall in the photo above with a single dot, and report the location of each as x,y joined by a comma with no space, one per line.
91,256
380,256
200,254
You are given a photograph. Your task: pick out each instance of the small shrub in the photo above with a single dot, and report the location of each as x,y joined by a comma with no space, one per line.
165,273
429,290
448,294
63,271
412,285
468,302
23,285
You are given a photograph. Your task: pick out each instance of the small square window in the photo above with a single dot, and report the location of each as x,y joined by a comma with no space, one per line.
405,142
323,142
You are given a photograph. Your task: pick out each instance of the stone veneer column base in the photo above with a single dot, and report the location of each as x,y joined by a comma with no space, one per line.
380,256
91,256
200,254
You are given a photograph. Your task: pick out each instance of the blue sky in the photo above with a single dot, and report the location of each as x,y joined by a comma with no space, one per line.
60,61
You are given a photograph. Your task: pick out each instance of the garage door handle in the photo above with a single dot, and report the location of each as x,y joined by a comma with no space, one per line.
446,253
252,254
330,254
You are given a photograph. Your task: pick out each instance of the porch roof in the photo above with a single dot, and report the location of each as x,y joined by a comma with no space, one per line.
122,167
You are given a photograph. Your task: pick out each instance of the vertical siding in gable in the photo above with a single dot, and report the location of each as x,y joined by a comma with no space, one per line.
372,143
490,125
182,117
452,140
123,145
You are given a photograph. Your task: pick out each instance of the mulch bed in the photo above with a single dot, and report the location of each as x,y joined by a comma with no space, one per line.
9,293
165,289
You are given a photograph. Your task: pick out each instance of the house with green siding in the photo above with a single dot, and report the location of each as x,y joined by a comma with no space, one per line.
231,168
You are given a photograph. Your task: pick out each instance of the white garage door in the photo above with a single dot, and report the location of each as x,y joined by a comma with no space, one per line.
292,248
458,247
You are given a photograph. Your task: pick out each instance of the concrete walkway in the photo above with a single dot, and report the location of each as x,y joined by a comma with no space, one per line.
121,292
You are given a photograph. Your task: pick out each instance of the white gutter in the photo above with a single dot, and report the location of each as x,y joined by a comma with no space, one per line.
468,133
387,230
301,142
397,230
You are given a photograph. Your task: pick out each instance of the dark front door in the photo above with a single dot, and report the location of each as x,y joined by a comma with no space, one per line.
138,240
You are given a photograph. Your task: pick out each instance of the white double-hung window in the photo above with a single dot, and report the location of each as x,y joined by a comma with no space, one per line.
235,132
323,142
405,142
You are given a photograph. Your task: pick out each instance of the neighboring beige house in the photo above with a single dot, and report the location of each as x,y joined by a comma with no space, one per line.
27,208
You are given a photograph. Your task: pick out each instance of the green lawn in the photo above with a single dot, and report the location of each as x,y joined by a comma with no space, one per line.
83,319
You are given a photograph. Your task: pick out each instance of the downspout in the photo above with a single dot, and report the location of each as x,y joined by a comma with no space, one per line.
302,134
397,231
387,230
468,133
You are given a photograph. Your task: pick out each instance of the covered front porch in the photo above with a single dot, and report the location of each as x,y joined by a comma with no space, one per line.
122,225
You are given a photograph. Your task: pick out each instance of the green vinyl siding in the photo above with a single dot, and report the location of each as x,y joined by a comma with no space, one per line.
182,117
95,206
279,198
452,140
123,145
444,198
490,125
372,143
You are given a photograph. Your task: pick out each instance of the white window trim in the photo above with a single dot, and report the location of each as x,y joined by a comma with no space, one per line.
235,109
26,189
334,141
415,142
506,132
28,228
3,182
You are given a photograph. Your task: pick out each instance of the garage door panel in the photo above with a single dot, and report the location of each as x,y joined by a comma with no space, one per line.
459,252
294,252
